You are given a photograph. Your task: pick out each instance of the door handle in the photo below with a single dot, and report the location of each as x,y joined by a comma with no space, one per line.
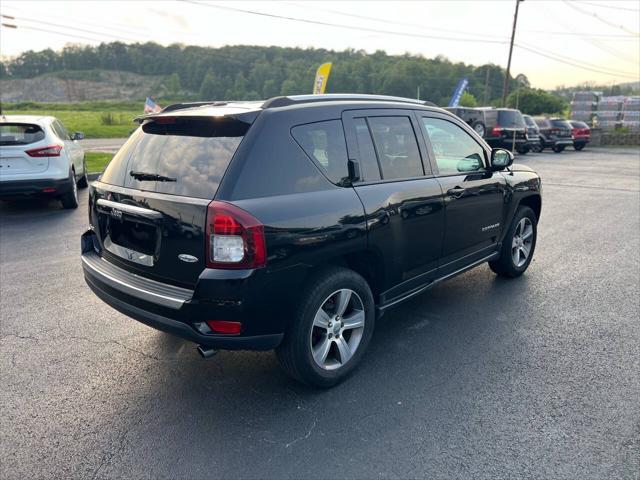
456,192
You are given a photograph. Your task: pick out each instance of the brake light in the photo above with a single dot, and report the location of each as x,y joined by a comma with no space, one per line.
50,151
496,131
235,239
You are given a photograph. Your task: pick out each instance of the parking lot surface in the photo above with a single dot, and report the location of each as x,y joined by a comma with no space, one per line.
479,377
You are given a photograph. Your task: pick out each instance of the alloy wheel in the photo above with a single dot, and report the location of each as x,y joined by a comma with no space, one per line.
522,242
337,329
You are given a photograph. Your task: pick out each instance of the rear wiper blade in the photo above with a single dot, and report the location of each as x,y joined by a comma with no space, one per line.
144,176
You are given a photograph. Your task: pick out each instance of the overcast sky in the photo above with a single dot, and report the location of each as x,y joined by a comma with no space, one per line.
601,36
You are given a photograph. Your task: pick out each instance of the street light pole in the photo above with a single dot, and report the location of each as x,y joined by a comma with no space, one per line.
505,87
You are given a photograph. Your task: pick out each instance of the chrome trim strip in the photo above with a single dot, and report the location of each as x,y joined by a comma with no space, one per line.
135,285
438,280
132,209
127,253
152,195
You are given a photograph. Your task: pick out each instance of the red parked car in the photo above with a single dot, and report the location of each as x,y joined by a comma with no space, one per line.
581,134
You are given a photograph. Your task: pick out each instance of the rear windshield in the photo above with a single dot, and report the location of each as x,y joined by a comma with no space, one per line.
542,122
529,121
510,118
190,156
560,123
579,125
20,134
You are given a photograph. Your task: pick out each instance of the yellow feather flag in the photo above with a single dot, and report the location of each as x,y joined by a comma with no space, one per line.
322,75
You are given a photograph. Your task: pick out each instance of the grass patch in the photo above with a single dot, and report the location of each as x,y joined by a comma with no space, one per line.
97,161
94,124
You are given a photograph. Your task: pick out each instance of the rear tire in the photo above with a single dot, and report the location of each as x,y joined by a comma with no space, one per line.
84,180
518,245
70,200
330,330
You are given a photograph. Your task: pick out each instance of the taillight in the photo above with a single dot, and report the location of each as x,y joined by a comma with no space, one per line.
50,151
496,131
235,239
555,131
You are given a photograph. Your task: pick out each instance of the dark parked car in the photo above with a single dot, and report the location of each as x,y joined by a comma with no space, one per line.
533,133
554,133
505,129
473,116
581,134
311,216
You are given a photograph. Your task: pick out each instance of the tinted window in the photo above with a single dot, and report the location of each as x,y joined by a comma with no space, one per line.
369,169
579,125
542,122
455,150
510,118
397,147
324,143
529,121
20,133
194,153
560,123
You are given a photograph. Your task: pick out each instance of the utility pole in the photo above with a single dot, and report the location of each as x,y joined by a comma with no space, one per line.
486,86
505,87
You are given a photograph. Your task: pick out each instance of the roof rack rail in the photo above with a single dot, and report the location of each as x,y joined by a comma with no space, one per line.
181,106
300,99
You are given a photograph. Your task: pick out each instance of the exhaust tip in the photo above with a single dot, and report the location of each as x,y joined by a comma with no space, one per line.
206,352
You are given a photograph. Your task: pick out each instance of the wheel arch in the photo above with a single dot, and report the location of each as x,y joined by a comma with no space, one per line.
534,202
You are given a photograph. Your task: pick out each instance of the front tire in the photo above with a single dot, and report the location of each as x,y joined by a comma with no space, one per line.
518,245
558,149
578,146
522,150
331,329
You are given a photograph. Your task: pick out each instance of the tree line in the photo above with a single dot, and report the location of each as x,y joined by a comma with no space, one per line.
251,72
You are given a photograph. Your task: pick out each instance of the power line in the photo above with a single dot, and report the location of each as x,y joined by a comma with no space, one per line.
342,25
577,65
611,7
598,17
20,27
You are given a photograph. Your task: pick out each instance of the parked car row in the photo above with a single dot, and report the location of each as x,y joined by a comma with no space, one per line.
509,128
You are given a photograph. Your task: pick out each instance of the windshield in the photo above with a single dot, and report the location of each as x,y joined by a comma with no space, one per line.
20,134
187,157
510,119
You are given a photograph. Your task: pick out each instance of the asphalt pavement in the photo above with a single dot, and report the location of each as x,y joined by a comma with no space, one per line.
480,377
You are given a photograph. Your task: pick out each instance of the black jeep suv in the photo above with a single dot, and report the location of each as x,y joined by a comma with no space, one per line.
297,222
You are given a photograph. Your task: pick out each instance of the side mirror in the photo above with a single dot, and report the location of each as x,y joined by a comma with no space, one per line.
77,136
501,159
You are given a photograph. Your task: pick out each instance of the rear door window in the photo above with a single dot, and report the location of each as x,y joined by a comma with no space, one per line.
367,160
191,156
510,119
397,147
20,134
325,144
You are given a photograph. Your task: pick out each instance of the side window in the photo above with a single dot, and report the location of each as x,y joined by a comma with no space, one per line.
397,147
369,169
61,131
455,150
324,143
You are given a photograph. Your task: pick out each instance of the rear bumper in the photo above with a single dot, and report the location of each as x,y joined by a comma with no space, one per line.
506,143
24,188
178,311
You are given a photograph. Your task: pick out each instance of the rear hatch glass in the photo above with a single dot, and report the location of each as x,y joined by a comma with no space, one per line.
15,140
510,119
563,126
188,156
20,134
163,162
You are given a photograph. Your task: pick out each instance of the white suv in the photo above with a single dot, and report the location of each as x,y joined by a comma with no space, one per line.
38,157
